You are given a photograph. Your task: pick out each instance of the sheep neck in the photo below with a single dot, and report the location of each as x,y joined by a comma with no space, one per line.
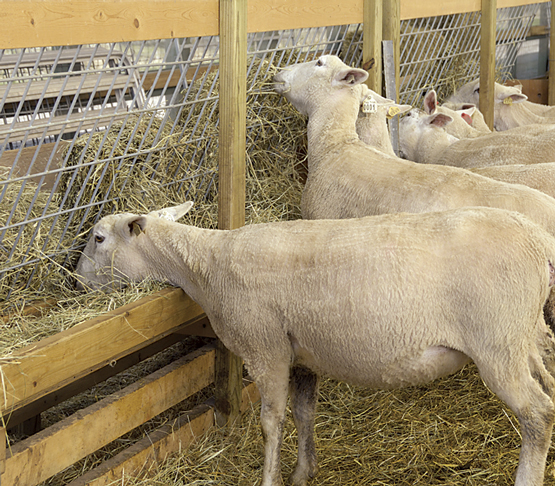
181,255
432,147
330,126
516,115
372,130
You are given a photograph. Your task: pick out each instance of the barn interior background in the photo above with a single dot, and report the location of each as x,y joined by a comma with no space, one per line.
132,123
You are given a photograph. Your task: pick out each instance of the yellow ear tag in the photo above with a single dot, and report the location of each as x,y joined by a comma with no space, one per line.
136,229
508,101
393,110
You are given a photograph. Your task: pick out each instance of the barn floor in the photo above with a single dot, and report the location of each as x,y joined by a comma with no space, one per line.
453,431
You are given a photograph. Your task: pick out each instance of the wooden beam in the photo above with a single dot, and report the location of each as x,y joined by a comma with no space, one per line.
2,450
231,174
36,160
233,113
28,23
79,385
487,60
137,460
551,55
54,362
372,43
392,32
73,438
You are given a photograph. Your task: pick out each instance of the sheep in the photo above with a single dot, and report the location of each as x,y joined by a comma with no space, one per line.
509,108
348,178
371,124
422,138
384,302
476,120
463,124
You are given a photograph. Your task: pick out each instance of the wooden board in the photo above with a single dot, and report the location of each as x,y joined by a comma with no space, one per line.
231,175
52,363
151,450
52,450
200,327
372,44
487,60
63,22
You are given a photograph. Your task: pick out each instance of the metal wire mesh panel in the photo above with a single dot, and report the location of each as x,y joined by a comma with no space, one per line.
443,53
89,130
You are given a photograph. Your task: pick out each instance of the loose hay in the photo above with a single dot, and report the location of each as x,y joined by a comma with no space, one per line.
451,432
124,181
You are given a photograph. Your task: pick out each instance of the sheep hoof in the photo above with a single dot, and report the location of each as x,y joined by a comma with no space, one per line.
300,476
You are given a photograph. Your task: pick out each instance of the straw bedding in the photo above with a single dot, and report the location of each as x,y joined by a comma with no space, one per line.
451,432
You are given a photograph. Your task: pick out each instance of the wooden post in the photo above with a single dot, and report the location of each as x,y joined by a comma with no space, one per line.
372,43
551,56
3,440
487,60
392,32
231,192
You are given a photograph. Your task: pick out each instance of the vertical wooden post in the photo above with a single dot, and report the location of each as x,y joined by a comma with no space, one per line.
551,57
487,60
3,440
231,191
372,43
392,32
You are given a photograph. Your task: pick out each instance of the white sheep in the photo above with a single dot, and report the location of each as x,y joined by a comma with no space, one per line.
509,108
348,178
423,138
371,124
536,176
476,121
384,302
463,114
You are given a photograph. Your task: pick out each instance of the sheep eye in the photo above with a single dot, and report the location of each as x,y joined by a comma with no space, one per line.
99,239
319,62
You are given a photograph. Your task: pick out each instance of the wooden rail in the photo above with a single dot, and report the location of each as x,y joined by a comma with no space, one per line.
61,22
49,365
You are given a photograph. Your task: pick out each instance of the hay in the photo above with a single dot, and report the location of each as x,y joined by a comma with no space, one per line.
27,242
275,160
451,432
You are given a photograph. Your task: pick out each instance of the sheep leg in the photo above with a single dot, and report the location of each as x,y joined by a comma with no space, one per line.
549,310
273,394
303,387
530,397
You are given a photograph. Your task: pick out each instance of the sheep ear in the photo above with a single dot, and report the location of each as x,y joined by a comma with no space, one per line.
440,120
466,115
173,213
349,77
131,226
468,106
430,102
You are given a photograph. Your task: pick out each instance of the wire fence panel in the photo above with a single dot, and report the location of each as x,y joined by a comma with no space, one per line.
443,53
93,129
